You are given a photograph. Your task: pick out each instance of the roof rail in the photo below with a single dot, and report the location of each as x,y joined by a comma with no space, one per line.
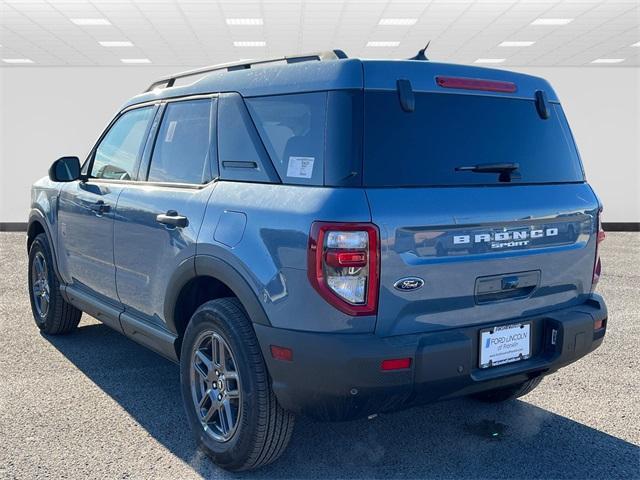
169,81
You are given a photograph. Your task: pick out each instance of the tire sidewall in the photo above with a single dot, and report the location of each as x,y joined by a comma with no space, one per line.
211,317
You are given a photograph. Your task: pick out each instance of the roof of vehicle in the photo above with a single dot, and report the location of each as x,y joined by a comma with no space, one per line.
275,78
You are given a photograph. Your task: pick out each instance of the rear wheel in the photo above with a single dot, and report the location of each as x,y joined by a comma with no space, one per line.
507,393
227,395
53,315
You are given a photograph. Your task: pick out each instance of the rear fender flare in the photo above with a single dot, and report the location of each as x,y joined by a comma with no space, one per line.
209,266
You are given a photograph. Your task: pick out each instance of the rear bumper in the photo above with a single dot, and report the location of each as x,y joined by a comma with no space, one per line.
338,376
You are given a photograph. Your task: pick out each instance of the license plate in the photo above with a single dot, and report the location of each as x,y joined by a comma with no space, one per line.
505,344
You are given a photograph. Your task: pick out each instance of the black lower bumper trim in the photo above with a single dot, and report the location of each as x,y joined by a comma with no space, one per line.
338,376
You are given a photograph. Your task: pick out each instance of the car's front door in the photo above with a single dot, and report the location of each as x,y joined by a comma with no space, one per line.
158,218
87,207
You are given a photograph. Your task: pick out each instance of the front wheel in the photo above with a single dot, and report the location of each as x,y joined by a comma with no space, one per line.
53,315
507,393
231,408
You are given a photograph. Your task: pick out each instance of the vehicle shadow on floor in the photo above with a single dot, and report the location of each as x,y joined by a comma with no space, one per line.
456,439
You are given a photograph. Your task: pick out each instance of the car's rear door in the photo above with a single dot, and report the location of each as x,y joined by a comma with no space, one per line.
87,208
158,218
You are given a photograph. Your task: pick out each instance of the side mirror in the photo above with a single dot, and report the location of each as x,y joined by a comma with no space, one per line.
65,169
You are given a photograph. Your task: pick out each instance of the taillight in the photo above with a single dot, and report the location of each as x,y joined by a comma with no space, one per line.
597,266
343,265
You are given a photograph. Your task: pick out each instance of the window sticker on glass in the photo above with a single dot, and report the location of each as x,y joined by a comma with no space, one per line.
168,138
300,167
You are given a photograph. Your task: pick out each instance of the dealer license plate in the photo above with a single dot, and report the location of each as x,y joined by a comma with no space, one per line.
505,344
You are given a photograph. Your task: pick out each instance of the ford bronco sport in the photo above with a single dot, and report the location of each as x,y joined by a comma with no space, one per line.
327,236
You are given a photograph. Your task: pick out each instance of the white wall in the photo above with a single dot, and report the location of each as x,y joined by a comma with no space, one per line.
49,112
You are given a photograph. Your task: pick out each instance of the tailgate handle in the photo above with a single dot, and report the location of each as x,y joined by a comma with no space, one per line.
506,287
509,283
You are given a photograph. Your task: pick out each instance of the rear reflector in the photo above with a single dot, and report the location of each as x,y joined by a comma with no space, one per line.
396,364
598,324
282,353
476,84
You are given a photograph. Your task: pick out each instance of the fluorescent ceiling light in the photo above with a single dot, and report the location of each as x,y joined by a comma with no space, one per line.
552,21
608,60
516,44
17,60
90,21
637,44
245,21
490,60
135,60
397,21
250,44
383,44
123,43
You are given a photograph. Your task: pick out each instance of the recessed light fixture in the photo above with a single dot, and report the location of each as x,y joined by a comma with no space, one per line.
256,43
552,21
637,44
135,60
17,60
398,21
245,21
90,21
118,43
608,60
490,60
516,43
383,44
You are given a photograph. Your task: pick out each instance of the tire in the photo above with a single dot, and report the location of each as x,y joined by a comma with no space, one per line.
507,393
57,317
257,430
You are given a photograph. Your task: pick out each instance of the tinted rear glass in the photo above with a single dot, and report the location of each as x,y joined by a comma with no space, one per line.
424,147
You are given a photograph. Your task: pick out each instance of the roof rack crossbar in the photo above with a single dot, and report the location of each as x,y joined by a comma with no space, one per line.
169,81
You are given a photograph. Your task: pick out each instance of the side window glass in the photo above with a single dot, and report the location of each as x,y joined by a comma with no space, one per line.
182,152
292,128
119,150
242,155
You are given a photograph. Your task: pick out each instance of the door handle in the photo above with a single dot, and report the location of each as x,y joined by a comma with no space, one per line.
100,207
172,219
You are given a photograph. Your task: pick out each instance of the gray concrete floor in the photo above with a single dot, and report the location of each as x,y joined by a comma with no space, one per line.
96,405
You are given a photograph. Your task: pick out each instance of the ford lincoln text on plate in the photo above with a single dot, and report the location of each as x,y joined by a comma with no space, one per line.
327,236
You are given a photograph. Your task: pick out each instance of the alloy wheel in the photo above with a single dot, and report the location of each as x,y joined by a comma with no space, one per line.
40,284
215,386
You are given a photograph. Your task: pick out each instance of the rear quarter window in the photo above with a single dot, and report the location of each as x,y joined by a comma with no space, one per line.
424,147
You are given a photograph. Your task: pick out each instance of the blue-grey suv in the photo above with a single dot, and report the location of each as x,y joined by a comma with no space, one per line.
327,236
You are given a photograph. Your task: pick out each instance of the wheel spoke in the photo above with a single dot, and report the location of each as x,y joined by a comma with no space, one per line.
44,304
204,399
37,287
218,352
212,410
39,266
226,416
200,355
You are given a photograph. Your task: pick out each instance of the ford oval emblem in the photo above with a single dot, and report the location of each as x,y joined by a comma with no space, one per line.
408,284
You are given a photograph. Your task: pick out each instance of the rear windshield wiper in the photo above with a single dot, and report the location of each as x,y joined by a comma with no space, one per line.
504,169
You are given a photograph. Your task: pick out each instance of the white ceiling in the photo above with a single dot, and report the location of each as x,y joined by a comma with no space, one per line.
195,32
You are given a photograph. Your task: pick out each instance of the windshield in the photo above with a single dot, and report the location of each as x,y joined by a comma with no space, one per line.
428,147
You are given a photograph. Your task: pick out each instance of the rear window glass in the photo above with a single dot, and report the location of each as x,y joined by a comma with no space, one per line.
292,128
446,131
182,148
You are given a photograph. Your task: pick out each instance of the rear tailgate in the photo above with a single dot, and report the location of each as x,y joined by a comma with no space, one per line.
534,252
473,177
